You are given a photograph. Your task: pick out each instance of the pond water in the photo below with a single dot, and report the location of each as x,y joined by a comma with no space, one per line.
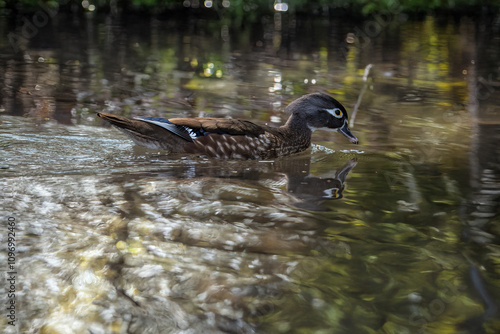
399,234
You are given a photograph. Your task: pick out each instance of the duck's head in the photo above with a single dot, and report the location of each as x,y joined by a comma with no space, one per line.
320,111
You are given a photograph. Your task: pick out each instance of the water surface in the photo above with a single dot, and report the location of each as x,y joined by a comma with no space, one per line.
396,235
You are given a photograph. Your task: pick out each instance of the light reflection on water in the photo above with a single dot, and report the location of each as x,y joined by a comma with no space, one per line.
333,240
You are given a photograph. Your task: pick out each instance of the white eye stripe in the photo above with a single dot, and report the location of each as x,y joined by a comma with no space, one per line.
336,112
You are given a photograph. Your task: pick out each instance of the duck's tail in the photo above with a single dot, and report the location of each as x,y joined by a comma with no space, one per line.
120,122
144,133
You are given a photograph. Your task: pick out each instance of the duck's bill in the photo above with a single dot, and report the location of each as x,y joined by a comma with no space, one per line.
347,132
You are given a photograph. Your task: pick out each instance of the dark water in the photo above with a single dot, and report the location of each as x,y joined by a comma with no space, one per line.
397,235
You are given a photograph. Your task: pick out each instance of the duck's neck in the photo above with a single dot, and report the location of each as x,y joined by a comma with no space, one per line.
296,134
297,126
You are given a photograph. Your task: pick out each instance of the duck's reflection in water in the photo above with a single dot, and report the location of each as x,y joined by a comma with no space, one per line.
292,175
312,191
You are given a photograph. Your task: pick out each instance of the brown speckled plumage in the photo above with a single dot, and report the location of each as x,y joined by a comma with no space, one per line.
238,139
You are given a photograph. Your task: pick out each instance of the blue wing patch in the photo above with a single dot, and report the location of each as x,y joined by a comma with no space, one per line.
184,132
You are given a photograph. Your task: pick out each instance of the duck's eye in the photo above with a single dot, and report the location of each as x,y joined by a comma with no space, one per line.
335,112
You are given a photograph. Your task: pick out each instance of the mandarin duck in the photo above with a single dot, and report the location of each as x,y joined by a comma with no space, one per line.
227,138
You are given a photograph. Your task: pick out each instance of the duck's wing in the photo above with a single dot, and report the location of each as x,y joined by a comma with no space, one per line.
208,125
185,128
192,128
184,132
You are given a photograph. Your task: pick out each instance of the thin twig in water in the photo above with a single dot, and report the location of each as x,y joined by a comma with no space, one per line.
365,79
